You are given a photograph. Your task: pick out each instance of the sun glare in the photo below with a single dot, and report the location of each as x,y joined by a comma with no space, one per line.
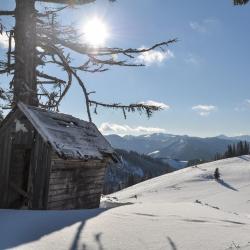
95,32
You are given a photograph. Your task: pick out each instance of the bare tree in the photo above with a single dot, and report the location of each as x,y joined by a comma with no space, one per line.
38,40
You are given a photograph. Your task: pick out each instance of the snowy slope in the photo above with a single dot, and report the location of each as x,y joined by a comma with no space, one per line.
185,209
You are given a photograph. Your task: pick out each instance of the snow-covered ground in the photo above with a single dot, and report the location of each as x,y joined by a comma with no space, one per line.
186,209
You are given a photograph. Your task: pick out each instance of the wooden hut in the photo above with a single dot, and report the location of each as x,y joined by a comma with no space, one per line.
50,160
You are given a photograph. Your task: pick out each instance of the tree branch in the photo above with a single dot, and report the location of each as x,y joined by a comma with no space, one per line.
7,13
53,78
148,109
68,1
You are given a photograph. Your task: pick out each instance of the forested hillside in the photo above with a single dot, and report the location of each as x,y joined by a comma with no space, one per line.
132,168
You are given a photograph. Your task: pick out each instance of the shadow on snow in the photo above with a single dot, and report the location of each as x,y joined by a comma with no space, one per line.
24,226
225,184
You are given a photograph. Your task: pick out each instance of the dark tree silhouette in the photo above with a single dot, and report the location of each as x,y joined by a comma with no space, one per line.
240,2
217,174
237,149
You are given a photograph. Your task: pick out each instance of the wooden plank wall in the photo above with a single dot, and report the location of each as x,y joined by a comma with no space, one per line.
6,131
5,151
38,179
39,174
8,139
75,184
18,175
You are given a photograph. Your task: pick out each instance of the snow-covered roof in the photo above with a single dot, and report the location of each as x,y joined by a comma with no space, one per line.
70,137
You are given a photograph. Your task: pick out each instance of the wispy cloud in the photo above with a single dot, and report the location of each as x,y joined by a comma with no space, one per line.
113,128
4,40
245,105
198,27
204,110
192,59
204,26
154,57
158,104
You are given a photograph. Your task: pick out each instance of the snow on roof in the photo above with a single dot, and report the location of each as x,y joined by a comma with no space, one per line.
70,137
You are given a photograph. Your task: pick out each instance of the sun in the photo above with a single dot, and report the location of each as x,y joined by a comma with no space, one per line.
95,32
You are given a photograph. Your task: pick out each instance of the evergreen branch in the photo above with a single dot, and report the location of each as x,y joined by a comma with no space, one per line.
65,62
105,51
148,109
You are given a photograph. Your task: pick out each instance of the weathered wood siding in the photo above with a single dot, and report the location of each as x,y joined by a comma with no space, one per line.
75,184
5,151
25,162
22,141
18,175
10,140
39,174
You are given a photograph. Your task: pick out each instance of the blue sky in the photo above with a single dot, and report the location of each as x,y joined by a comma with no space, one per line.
204,78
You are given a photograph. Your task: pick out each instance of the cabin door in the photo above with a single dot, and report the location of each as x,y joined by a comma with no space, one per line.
18,176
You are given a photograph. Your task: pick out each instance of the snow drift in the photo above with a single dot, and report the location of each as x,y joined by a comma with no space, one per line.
186,209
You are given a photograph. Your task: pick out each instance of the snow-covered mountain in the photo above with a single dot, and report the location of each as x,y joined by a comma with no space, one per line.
180,147
235,138
183,210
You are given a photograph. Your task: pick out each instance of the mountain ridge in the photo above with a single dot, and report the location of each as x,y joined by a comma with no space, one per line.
181,147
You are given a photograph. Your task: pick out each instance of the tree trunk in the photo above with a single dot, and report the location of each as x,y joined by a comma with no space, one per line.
24,83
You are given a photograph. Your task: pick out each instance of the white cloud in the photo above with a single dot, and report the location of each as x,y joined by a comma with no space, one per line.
154,57
198,27
113,128
204,110
4,40
245,105
154,103
191,59
204,26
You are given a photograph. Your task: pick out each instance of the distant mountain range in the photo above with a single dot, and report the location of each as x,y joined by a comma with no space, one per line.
235,138
170,147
